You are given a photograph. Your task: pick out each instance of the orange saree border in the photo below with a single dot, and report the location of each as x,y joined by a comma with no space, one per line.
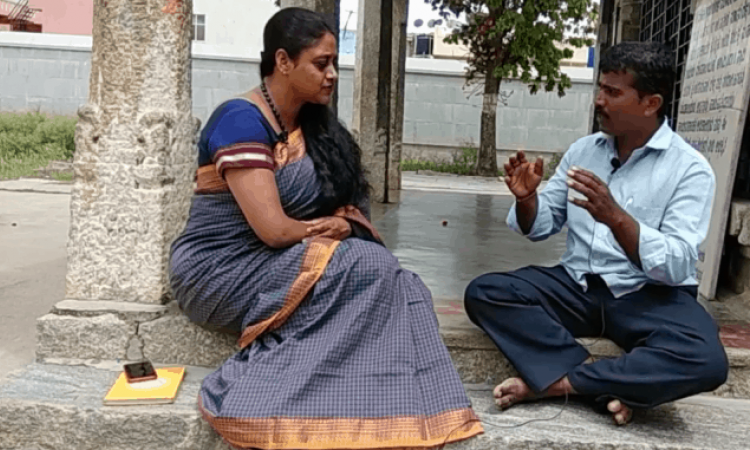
335,433
317,255
329,433
208,181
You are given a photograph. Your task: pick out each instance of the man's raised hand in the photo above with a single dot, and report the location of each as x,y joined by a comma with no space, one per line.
523,177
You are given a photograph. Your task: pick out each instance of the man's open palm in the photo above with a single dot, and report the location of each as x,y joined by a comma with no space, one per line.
523,177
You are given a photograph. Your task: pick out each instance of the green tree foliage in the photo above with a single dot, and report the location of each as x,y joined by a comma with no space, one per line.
516,39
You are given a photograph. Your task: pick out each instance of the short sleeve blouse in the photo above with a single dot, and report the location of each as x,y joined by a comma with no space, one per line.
237,135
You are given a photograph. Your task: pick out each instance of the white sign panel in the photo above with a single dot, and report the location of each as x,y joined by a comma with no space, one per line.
713,107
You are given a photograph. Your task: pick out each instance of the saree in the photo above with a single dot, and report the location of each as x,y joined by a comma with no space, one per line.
340,346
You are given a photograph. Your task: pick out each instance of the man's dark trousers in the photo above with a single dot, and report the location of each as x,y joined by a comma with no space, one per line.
534,315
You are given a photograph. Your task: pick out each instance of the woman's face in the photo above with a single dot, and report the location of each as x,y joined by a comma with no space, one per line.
314,74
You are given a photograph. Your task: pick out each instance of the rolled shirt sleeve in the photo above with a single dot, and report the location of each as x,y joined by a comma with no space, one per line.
669,254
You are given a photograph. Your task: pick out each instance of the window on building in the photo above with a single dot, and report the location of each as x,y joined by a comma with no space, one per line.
670,22
199,27
424,45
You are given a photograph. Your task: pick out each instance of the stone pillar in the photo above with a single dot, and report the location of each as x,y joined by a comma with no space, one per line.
135,159
400,21
371,118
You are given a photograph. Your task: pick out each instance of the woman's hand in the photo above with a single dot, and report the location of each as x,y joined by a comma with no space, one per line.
331,227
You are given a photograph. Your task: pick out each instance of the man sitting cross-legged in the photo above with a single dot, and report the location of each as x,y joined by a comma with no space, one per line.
643,207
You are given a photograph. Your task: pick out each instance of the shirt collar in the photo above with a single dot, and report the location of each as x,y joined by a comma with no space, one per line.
661,140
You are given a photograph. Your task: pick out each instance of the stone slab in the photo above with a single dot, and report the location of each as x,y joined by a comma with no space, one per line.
172,338
478,360
100,337
44,406
713,110
97,330
695,423
60,407
139,312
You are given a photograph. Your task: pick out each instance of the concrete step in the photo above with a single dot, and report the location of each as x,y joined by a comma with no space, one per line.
53,406
478,360
60,407
80,332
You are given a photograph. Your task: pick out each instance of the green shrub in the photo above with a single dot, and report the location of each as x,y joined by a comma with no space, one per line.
30,141
18,144
21,123
462,164
465,163
59,130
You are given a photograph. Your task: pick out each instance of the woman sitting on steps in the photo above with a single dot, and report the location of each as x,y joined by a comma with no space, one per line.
340,346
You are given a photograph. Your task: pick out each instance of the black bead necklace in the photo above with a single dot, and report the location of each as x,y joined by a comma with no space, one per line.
284,135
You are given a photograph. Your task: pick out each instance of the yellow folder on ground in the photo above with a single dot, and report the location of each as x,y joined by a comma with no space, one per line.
153,392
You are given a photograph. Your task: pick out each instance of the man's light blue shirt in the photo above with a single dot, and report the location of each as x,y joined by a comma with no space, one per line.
667,186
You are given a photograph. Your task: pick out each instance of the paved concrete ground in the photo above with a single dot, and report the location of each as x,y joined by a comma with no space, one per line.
45,407
475,240
34,219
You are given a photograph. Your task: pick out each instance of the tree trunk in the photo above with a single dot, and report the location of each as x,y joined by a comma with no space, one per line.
487,155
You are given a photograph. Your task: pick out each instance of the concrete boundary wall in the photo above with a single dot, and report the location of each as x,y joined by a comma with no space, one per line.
50,73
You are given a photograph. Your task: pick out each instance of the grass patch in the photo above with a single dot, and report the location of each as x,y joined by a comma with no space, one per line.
462,165
30,141
465,163
62,176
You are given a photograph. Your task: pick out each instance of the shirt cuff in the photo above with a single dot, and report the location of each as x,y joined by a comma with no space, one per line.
541,226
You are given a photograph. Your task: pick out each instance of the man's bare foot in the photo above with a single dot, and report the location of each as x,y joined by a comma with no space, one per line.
621,414
512,391
515,390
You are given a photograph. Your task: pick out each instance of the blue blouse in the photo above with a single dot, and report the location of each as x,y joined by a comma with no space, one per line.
237,135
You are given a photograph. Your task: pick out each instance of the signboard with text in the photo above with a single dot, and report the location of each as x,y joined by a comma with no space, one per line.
713,109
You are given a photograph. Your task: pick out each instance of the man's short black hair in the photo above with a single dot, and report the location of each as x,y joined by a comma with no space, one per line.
650,63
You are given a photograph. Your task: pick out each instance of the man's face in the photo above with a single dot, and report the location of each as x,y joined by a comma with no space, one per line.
618,106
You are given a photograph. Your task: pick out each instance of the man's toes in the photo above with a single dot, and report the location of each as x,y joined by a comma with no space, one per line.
505,401
621,413
507,386
623,417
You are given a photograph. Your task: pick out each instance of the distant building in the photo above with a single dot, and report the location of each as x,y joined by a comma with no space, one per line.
17,15
347,42
231,27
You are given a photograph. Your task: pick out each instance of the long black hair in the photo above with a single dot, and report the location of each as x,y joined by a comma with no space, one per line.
333,150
